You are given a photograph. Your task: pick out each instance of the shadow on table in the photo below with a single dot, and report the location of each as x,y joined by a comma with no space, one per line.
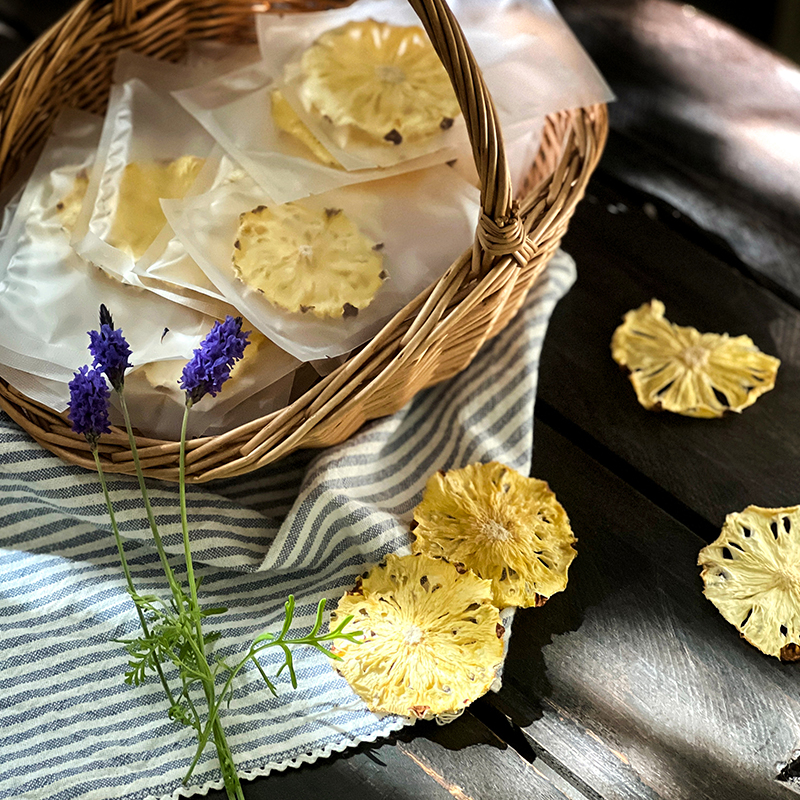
704,120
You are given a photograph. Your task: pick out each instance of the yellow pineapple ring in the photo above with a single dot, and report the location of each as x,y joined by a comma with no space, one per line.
139,218
432,638
752,575
503,526
308,260
288,121
385,80
69,206
688,372
164,376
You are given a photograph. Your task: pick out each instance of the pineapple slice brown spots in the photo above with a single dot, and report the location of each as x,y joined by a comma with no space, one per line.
505,527
432,642
687,372
307,260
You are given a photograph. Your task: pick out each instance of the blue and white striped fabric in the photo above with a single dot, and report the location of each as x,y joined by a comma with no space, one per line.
69,726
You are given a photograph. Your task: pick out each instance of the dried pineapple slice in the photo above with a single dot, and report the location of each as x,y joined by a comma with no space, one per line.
752,575
165,376
386,80
288,121
139,218
505,527
688,372
308,260
432,638
69,206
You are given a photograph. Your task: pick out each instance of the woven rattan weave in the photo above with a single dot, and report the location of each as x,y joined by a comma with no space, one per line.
432,338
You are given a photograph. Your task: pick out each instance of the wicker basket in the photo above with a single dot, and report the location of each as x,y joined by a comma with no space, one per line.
431,339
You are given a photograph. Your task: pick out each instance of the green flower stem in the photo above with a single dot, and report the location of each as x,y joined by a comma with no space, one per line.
227,765
311,639
126,569
232,784
187,549
214,726
173,584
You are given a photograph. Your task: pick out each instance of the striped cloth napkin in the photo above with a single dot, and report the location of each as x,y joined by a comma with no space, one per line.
70,728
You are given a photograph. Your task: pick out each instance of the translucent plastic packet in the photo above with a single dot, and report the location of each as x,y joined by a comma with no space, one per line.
49,299
9,208
49,296
218,57
156,403
419,223
284,38
236,109
530,60
149,148
166,262
541,68
259,384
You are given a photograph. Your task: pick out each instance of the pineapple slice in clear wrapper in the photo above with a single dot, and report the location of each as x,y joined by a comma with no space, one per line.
385,80
289,122
69,206
308,260
165,376
432,638
503,526
139,218
752,575
687,372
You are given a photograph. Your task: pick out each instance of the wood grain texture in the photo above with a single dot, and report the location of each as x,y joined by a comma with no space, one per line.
631,679
463,760
711,467
706,119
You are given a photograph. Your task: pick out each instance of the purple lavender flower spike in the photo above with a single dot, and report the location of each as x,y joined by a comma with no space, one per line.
88,404
211,364
110,350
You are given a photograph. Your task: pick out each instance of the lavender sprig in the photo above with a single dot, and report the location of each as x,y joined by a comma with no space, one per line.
88,412
211,364
88,405
173,631
110,350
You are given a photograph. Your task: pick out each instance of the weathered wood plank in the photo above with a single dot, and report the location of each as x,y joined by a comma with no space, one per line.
711,467
630,677
464,760
706,119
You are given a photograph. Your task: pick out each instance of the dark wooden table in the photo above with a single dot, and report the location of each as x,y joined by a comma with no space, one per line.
630,684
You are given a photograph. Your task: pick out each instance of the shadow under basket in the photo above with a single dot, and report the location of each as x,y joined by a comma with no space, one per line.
430,340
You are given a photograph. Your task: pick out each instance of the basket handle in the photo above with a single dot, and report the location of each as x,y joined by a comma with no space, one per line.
500,231
123,12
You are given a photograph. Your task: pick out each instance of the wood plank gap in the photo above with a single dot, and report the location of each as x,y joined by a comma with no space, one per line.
542,755
644,485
